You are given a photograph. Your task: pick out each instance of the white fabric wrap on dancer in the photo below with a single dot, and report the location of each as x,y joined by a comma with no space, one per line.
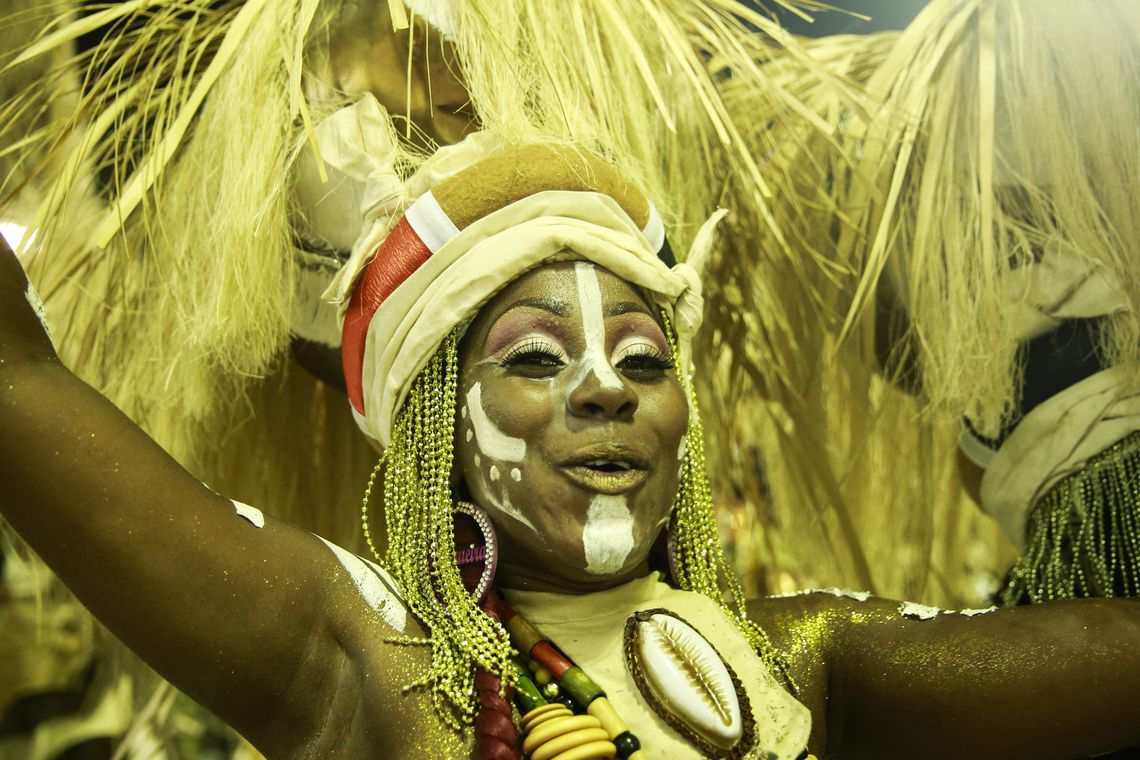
1061,434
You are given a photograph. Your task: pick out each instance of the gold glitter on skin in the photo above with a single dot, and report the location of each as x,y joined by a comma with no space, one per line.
1049,681
391,720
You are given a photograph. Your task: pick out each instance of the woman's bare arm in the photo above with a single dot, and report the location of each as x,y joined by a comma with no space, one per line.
1060,680
247,620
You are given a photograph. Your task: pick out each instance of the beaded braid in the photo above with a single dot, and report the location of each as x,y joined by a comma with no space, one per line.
496,737
700,561
421,556
418,510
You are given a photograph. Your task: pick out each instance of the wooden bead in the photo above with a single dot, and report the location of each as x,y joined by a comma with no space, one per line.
526,693
580,686
550,659
591,751
601,709
556,727
541,714
523,635
569,741
626,744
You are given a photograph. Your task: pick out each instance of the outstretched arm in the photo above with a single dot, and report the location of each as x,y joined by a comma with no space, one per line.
242,618
1060,680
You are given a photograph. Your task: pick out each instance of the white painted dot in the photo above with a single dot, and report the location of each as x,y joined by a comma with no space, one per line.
494,473
463,411
516,474
478,460
470,434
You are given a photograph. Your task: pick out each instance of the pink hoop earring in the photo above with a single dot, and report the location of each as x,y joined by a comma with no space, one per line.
476,549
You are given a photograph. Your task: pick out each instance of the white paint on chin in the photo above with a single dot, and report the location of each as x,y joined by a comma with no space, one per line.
607,537
594,357
493,442
516,474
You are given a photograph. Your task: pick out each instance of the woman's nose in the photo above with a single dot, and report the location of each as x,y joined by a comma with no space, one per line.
592,397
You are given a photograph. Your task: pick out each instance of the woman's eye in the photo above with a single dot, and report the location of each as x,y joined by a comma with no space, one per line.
645,363
535,357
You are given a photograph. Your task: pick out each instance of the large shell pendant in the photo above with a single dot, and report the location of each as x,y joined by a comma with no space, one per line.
686,681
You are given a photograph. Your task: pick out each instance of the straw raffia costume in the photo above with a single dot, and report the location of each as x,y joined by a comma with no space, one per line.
177,189
994,217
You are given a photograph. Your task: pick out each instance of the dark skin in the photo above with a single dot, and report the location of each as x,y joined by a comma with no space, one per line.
273,635
535,372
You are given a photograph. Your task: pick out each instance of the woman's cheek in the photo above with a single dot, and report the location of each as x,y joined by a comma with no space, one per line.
496,457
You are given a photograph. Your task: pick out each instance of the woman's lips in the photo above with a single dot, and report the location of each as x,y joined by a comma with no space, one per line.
607,467
612,482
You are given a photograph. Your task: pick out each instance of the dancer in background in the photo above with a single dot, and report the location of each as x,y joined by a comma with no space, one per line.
1000,223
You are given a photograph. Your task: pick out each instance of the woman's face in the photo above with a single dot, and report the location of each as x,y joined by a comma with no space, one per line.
571,426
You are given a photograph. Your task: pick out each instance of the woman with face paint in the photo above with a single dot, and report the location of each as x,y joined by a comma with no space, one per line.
518,347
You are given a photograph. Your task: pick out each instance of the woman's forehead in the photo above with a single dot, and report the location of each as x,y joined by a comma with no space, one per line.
560,287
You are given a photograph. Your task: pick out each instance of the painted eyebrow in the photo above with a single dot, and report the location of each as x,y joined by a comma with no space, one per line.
626,307
561,309
557,308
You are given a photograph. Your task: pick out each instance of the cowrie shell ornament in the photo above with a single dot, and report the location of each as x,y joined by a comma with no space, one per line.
686,681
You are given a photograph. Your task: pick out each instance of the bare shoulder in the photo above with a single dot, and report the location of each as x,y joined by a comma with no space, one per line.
807,629
378,709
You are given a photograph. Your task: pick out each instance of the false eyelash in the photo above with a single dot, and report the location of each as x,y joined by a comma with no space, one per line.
651,355
532,348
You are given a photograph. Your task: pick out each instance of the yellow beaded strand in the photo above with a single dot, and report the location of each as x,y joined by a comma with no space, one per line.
1083,535
421,557
700,559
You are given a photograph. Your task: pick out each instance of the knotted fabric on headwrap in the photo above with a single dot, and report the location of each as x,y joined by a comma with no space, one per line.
476,231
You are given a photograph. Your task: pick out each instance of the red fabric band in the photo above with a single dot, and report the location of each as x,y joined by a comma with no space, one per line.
401,254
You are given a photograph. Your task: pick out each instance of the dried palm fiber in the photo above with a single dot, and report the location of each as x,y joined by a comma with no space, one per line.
1006,131
856,492
22,151
1002,205
189,304
184,317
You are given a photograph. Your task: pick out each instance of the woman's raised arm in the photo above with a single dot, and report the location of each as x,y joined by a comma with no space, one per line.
243,618
1058,680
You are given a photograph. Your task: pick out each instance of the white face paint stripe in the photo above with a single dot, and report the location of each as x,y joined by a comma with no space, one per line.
253,514
594,327
510,510
607,537
493,442
374,586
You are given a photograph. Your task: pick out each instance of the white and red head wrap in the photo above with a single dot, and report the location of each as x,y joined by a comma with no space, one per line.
481,225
